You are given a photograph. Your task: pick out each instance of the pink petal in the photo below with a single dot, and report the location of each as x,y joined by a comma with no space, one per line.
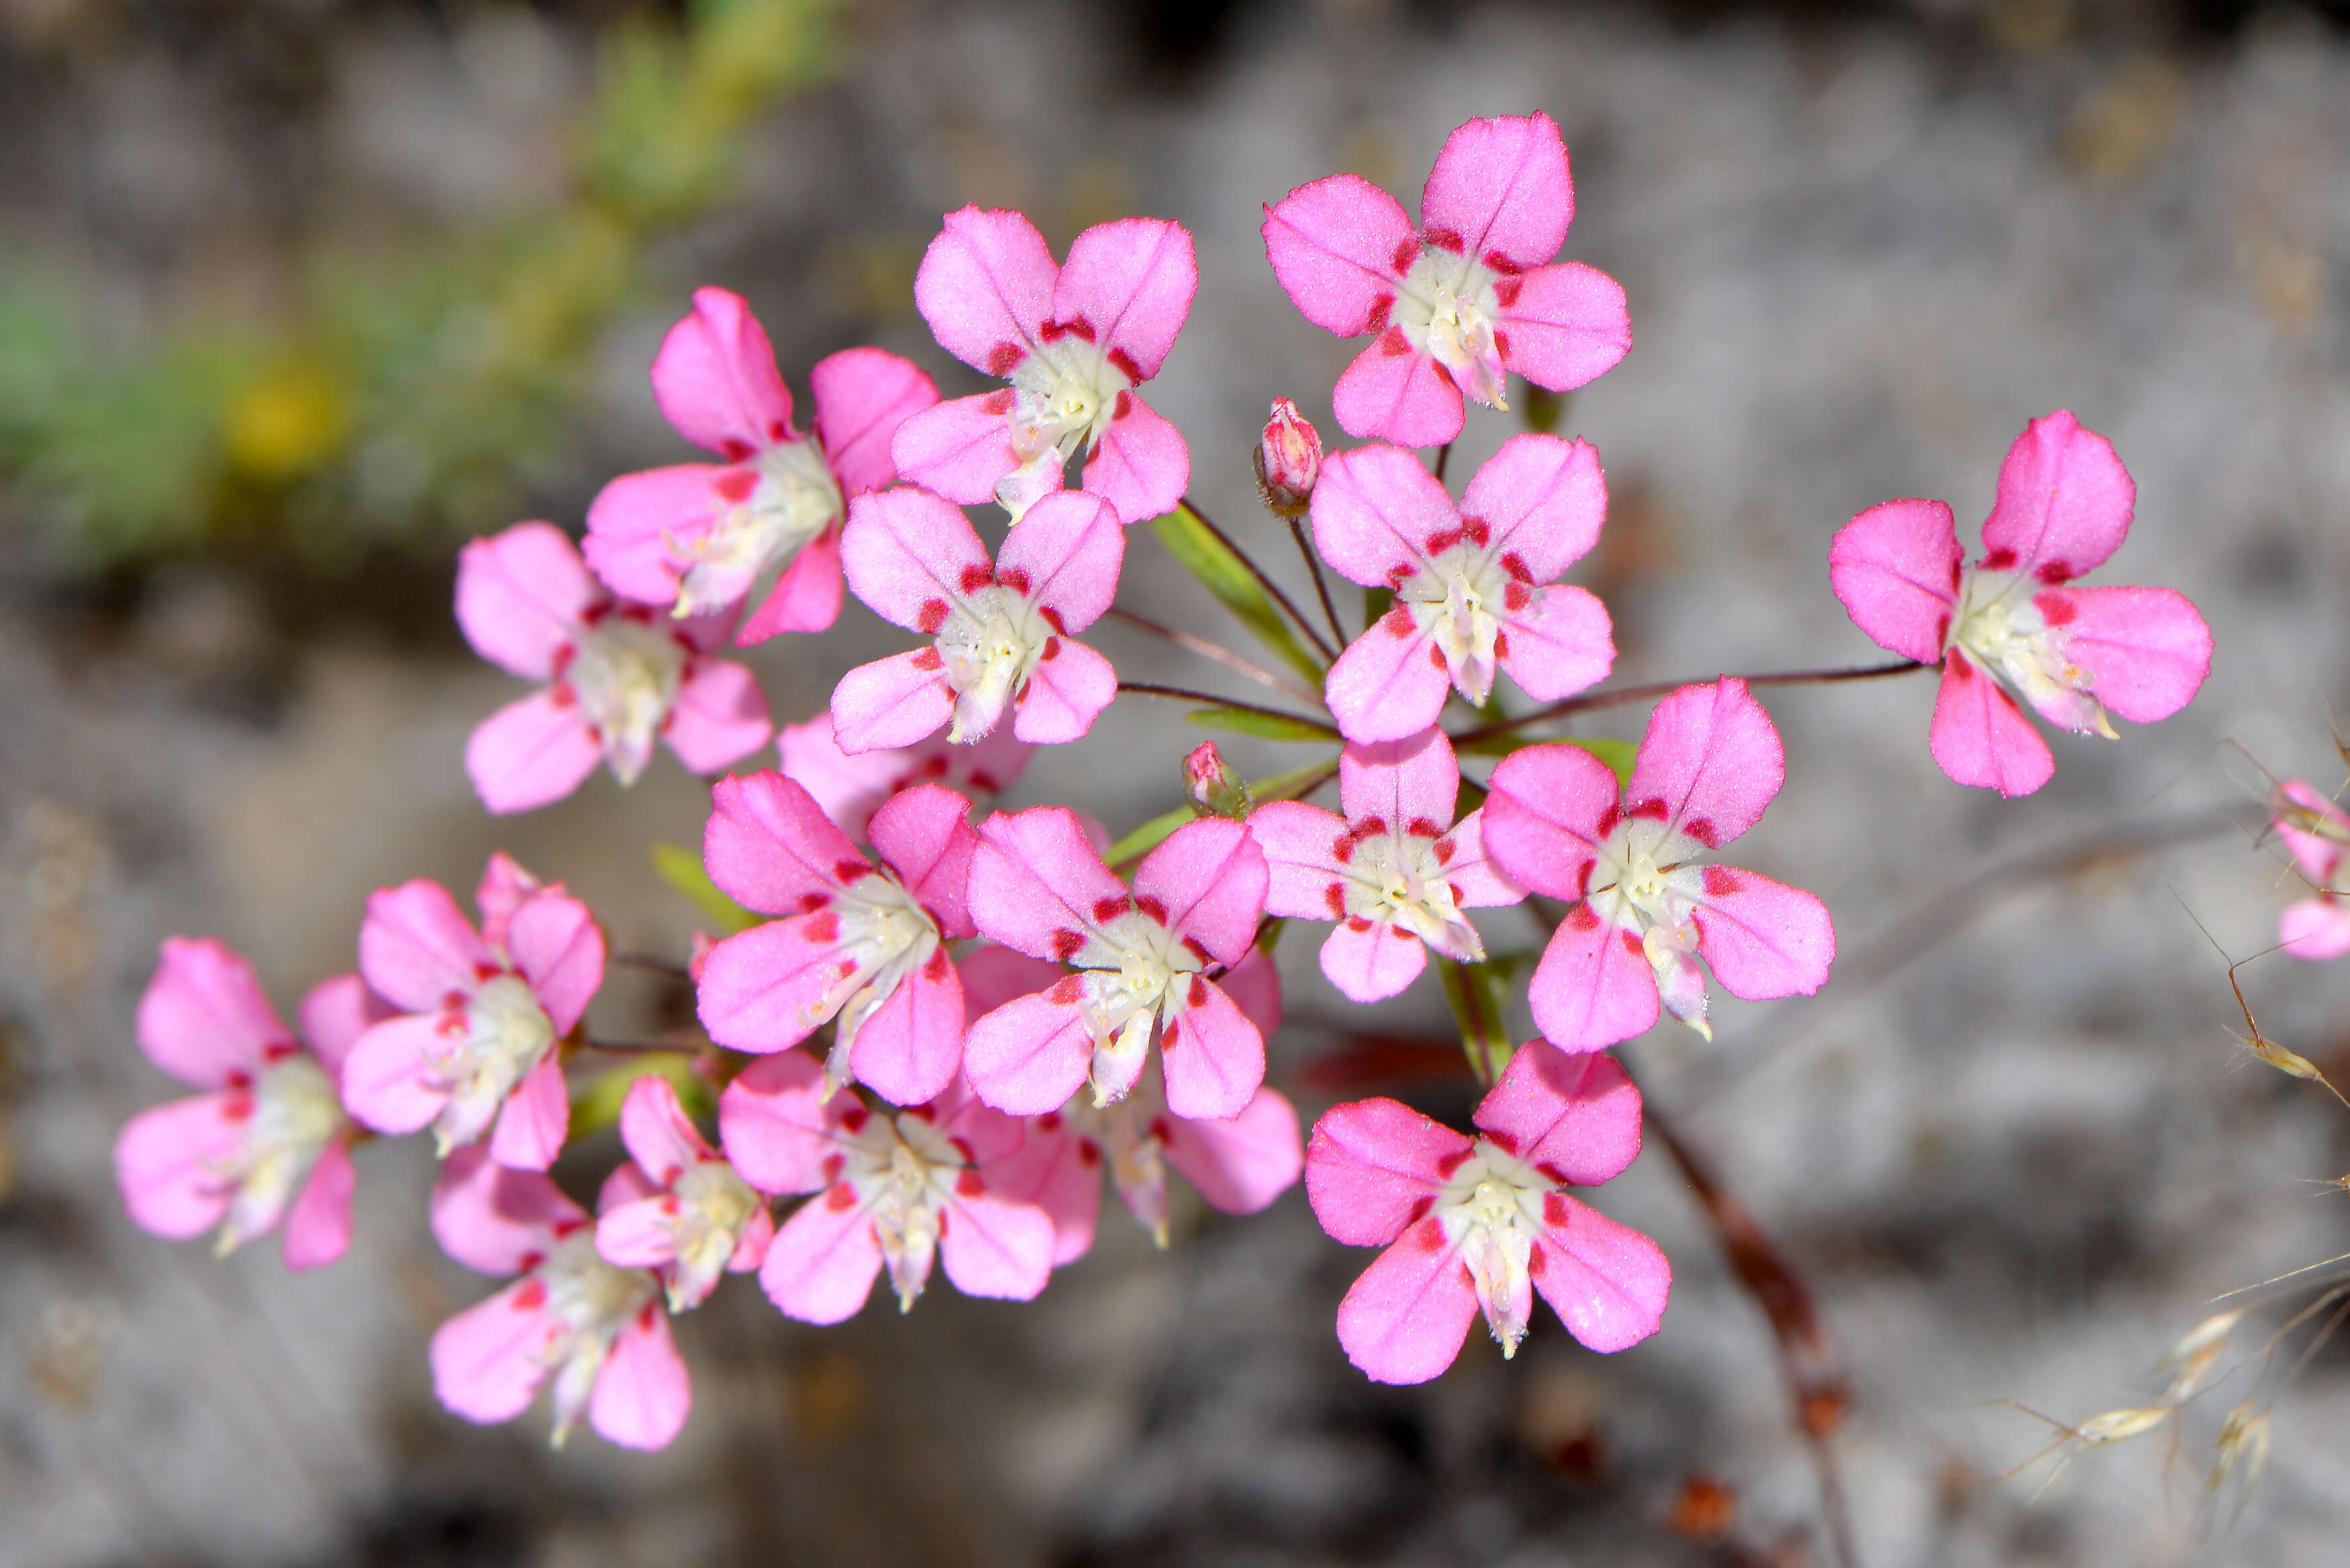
720,716
750,1248
531,752
892,702
166,1163
958,449
1594,986
203,1017
1500,192
771,987
1576,1119
862,396
922,835
1372,961
1562,327
1339,246
849,788
986,286
1243,1163
638,1234
335,1014
2316,855
1254,986
2312,928
1544,501
1132,282
807,596
559,949
1390,683
1067,550
1980,736
496,1220
1404,1320
717,382
386,1082
1762,939
2146,650
1374,511
769,847
416,947
824,1259
1557,645
1029,1055
908,1049
1399,783
504,886
1896,569
778,1127
1036,884
911,558
1213,1056
520,595
319,1226
989,1135
996,1248
1607,1281
1476,882
1296,839
486,1365
1063,695
636,520
1061,1173
2064,502
642,1394
627,1184
1395,392
535,1120
993,975
1142,465
1373,1166
1209,878
1549,810
1709,763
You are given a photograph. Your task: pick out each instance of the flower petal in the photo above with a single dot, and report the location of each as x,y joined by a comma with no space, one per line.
530,754
638,522
1370,960
1339,246
416,947
2063,506
642,1394
496,1220
520,595
2147,650
715,378
1240,1164
824,1259
1035,885
168,1163
912,557
986,286
771,987
719,717
993,975
1709,763
770,847
656,1133
805,597
1059,1171
1476,882
997,1248
1405,1319
1394,392
1297,841
1390,683
1210,878
1576,1119
779,1128
387,1084
1374,511
958,449
1500,192
319,1225
1132,281
1607,1281
908,1049
1980,736
1559,644
1762,939
862,396
1213,1056
2312,929
892,704
1029,1055
1594,986
486,1364
919,833
1399,783
204,1016
1373,1166
1542,500
1895,567
535,1120
1562,326
1067,551
1142,465
1548,811
1063,696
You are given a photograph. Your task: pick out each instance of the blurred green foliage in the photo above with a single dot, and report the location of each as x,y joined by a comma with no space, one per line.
405,396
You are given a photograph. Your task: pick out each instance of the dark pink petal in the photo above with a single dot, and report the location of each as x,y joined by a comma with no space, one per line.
1142,465
1549,810
720,716
986,286
1132,282
335,1014
807,596
2147,650
1390,683
1061,1173
496,1220
1607,1281
912,556
203,1018
771,987
824,1259
958,449
908,1049
1400,783
1209,877
770,847
535,1120
1594,986
1068,548
1980,736
166,1163
1712,760
1029,1055
416,947
717,382
319,1225
520,595
1477,883
1896,569
1542,500
1576,1119
1335,244
1037,883
504,886
1559,644
862,396
2063,505
656,1133
892,702
636,522
627,1184
1373,961
1063,696
530,754
1243,1163
1373,1166
1213,1056
1296,839
996,1248
486,1364
750,1248
1762,939
778,1126
922,835
1394,392
1374,511
1562,326
1404,1320
559,949
990,1136
2312,928
1499,190
642,1394
386,1082
993,975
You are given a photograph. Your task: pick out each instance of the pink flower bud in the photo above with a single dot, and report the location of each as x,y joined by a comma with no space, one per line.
1214,789
1287,459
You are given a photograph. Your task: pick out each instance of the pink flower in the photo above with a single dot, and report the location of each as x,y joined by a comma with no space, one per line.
268,1142
480,1017
856,942
1485,1224
1038,886
698,537
1395,873
698,1221
895,1192
597,1329
1463,300
1074,340
1475,587
1707,768
2009,621
617,675
2316,832
1288,460
1003,634
849,788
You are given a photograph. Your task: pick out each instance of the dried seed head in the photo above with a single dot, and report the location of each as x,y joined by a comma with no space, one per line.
2193,1357
2120,1426
2243,1441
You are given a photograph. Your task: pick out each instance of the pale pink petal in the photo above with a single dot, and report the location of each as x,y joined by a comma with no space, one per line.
750,1246
638,1234
2063,505
1559,644
771,987
1895,567
1709,763
1398,784
504,886
1576,1119
1607,1281
996,1248
1208,881
642,1394
1549,810
639,523
824,1259
531,752
1500,194
1476,882
1374,510
627,1184
2147,650
986,286
559,949
1373,1166
166,1163
1064,555
520,595
1241,1164
486,1365
1298,843
958,449
908,1049
993,975
1131,282
1213,1056
720,716
715,378
1979,735
1594,986
319,1225
847,787
771,848
862,396
987,1133
892,702
2315,928
1394,392
416,947
1405,1319
1562,326
1762,939
922,835
496,1220
1038,884
1061,1173
912,557
807,596
203,1017
1254,986
1370,960
1063,694
1390,683
386,1082
1029,1055
1339,246
1141,465
779,1129
2317,855
535,1120
1542,500
335,1014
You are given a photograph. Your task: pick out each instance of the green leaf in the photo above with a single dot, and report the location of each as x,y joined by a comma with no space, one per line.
1226,575
596,1104
681,868
1257,721
1618,754
1377,602
1479,998
1295,785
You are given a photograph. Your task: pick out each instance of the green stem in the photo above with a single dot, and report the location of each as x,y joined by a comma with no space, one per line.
1618,696
1271,589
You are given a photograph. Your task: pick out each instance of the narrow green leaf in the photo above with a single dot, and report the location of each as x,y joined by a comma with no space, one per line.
1479,996
681,868
1295,785
1150,836
596,1104
1224,575
1377,602
1618,754
1256,722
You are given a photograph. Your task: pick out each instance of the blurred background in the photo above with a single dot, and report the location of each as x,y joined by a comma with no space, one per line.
296,296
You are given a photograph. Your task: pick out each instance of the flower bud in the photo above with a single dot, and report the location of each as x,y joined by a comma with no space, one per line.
1214,789
1287,460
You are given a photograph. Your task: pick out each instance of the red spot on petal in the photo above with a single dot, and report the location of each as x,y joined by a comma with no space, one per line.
1358,924
562,695
1088,1152
1376,318
811,902
2056,572
1505,1141
1631,940
1942,629
935,969
1720,881
532,1297
1445,240
976,577
1423,827
1445,851
1478,534
1516,596
1145,904
1436,657
735,451
736,484
1452,1161
1018,581
1581,919
1960,670
1065,990
1393,343
1397,622
2000,560
1506,291
1192,945
1049,1121
1702,829
1002,360
238,1107
854,1117
928,661
824,927
1129,367
847,967
1419,1209
840,1196
1198,994
980,779
2056,609
1066,942
1405,253
850,870
1111,909
934,616
833,1165
669,1202
1502,645
1335,895
1653,807
968,1185
1444,539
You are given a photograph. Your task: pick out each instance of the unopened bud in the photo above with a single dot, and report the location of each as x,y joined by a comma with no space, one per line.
1214,789
1287,460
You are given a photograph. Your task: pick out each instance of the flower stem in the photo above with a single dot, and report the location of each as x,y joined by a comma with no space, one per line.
1443,457
1217,653
1185,694
1321,587
1273,590
1616,697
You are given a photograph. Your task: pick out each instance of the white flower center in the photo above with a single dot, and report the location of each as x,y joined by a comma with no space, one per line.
904,1171
1398,878
588,1302
1447,308
492,1042
294,1114
1455,602
1642,882
1068,394
885,936
1492,1210
989,657
795,498
713,1204
2006,632
1119,1005
625,672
